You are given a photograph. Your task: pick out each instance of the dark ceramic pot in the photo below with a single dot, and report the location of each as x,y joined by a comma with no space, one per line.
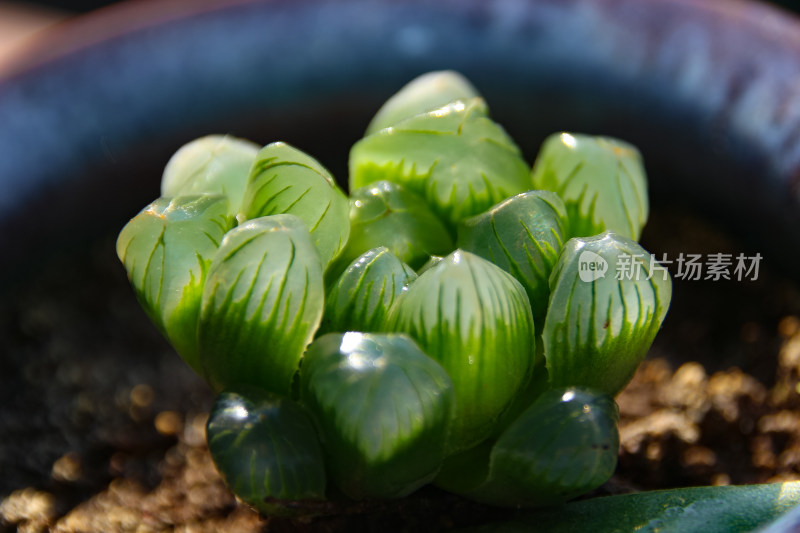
706,89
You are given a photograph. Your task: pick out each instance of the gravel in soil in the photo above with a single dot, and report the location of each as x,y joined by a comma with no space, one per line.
103,426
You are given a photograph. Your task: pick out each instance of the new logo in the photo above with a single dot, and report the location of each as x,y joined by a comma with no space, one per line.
591,266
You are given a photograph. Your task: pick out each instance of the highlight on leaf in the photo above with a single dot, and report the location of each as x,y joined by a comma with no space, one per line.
601,180
285,180
262,304
422,94
608,299
383,408
361,298
167,250
214,164
455,157
475,320
523,235
266,448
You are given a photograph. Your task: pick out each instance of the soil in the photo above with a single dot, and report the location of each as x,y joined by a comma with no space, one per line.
103,426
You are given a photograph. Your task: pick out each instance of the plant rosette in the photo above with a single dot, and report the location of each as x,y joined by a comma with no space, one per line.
459,320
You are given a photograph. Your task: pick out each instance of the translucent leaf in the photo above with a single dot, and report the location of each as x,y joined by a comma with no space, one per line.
361,298
455,157
213,164
732,509
563,446
167,250
262,303
267,450
523,235
386,214
383,407
475,319
430,263
608,299
425,93
286,180
601,180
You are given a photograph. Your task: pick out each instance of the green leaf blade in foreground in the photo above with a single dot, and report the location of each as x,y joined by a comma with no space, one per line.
361,298
285,180
731,509
262,303
267,450
214,164
383,407
387,214
167,250
455,157
599,328
523,235
601,180
561,447
422,94
475,320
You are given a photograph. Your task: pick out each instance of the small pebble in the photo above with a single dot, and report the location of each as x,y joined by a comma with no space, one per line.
168,423
142,395
788,326
67,468
27,505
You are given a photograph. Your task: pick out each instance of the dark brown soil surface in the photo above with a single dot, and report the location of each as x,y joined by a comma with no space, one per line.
102,425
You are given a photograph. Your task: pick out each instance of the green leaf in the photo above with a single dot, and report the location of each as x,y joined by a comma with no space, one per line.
215,164
383,408
475,319
608,299
564,445
166,250
363,295
455,157
286,180
430,263
262,303
732,509
425,93
267,450
523,235
386,214
601,180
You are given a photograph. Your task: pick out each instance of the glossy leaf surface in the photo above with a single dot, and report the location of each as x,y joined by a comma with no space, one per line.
523,235
564,445
214,164
474,318
286,180
731,509
598,327
167,250
601,180
455,157
262,303
267,450
425,93
387,214
383,407
361,298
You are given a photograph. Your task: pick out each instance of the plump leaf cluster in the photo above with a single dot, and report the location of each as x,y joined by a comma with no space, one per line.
459,319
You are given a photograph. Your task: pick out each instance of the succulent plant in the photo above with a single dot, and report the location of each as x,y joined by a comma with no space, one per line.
490,370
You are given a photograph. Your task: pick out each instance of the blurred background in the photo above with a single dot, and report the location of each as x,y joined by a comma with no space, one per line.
20,20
